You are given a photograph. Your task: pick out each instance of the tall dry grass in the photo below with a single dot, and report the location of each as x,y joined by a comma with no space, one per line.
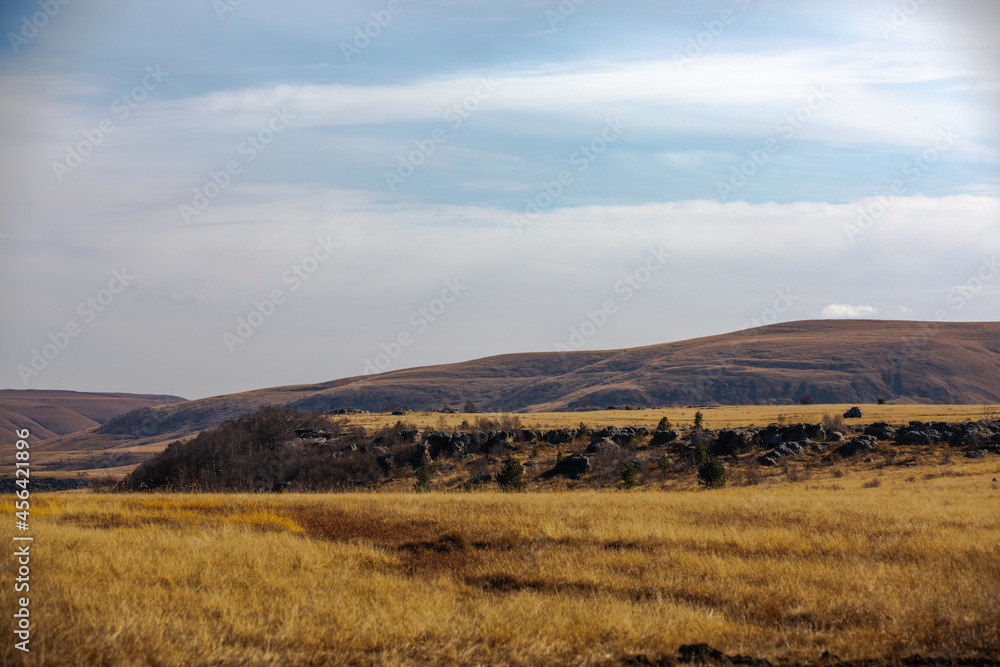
781,572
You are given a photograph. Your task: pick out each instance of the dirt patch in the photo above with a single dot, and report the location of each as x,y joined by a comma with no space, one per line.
332,524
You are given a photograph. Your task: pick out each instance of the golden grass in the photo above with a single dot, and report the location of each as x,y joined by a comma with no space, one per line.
729,416
781,571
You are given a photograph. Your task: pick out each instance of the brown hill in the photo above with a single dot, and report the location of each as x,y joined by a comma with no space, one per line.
833,361
48,414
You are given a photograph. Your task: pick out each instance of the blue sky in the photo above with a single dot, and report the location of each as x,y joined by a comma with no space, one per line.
264,171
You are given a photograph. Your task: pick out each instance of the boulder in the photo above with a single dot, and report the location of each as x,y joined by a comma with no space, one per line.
921,437
834,436
438,443
485,478
603,446
662,438
732,441
621,436
559,436
385,462
420,455
781,451
309,434
499,439
858,445
573,465
881,431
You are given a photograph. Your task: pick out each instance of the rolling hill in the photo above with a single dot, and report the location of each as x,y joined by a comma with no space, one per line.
48,414
835,361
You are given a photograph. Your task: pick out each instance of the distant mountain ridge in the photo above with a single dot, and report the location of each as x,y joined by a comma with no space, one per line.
834,361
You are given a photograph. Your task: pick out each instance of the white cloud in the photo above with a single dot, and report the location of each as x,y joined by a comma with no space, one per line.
871,88
839,311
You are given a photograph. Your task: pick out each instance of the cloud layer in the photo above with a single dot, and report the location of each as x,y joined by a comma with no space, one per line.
477,181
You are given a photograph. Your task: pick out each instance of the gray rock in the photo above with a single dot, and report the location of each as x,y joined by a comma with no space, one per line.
485,478
385,462
662,438
881,431
858,445
732,441
928,437
421,455
559,436
603,445
573,465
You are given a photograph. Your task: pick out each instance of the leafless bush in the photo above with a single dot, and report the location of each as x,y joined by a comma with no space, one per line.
833,423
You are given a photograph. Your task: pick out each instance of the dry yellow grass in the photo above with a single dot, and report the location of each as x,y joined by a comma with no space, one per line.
728,416
782,571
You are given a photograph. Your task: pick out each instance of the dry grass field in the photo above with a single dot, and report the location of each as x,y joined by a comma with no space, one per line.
859,561
727,416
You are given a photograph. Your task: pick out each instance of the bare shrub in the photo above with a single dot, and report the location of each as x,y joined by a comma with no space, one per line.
833,423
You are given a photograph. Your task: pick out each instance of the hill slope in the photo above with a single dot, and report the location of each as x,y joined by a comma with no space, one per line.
834,361
48,414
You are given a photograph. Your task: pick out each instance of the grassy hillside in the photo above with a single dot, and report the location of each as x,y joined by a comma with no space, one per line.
48,414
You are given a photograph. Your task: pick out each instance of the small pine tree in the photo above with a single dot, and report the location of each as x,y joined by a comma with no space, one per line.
881,401
699,420
510,476
807,399
582,431
629,475
664,463
711,471
664,425
423,482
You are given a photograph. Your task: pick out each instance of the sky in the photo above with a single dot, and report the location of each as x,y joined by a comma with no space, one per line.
211,196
